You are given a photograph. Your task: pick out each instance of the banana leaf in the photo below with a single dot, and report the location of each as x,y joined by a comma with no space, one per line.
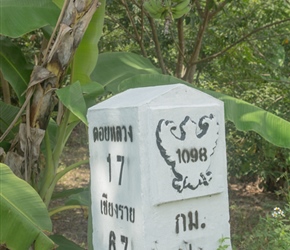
19,17
14,67
86,55
76,97
114,67
64,244
248,117
120,71
24,218
7,114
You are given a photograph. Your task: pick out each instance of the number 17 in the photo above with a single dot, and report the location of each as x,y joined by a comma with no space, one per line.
121,159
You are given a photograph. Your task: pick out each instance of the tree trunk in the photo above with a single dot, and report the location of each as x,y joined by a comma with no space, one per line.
191,68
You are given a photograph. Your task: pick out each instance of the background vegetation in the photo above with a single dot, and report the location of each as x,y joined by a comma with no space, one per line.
244,53
237,48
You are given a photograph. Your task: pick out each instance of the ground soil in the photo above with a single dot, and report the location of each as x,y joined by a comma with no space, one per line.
247,200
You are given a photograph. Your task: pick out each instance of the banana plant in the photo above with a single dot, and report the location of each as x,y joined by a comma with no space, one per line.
18,216
91,75
245,116
46,78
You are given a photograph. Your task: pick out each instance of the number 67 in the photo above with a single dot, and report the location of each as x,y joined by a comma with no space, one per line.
112,241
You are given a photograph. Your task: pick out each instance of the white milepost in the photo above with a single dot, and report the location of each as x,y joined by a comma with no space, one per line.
158,171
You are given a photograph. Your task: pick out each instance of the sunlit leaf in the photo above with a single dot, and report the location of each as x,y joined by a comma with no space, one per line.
146,80
86,55
113,68
59,3
71,96
248,117
24,216
244,115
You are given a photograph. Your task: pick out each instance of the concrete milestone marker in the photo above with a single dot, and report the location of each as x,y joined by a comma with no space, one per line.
158,171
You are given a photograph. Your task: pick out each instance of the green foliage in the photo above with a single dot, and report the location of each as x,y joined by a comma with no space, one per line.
20,17
64,244
113,68
245,55
249,155
272,232
7,114
223,244
86,55
14,67
18,216
72,97
245,115
76,97
248,117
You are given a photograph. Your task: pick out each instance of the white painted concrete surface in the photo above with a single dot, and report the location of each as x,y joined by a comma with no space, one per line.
158,170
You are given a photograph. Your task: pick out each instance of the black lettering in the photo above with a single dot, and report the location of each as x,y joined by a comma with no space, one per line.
130,133
121,159
125,133
122,212
119,133
179,155
105,207
104,204
111,209
110,167
127,212
192,155
113,134
177,222
202,154
101,133
193,222
95,134
112,241
192,225
107,133
116,210
132,215
185,156
124,241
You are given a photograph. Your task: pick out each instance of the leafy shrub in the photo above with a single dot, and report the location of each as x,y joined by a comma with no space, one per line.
272,232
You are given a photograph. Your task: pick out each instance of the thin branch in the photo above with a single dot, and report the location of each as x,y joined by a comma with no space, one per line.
188,76
142,29
137,35
140,6
115,20
157,44
218,9
180,58
209,58
199,9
